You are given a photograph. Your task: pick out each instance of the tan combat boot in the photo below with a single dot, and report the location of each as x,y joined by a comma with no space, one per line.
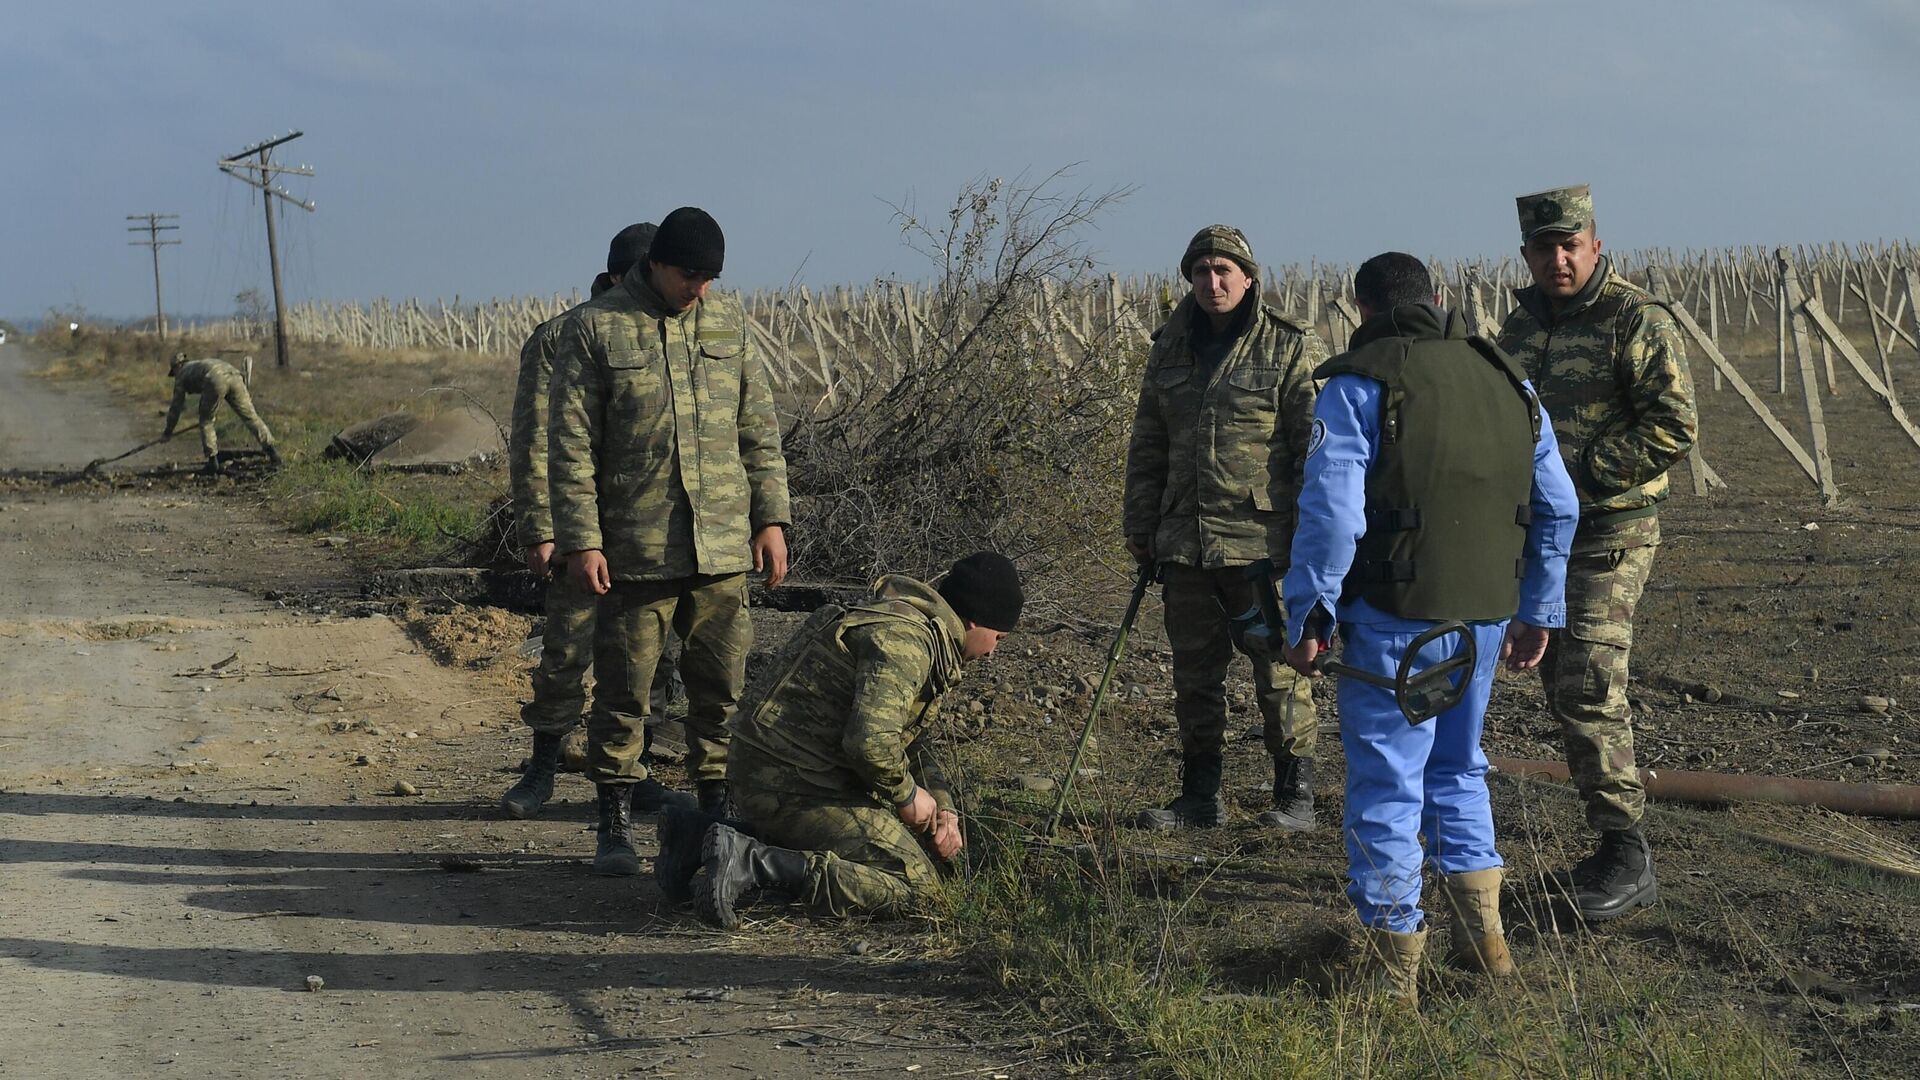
1393,964
1477,942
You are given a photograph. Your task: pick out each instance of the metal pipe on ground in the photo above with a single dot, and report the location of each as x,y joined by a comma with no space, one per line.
1870,800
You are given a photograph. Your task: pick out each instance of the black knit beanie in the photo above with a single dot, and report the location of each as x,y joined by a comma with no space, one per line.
690,239
629,246
984,588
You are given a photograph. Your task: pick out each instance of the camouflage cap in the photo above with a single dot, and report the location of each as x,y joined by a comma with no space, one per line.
1219,240
1566,209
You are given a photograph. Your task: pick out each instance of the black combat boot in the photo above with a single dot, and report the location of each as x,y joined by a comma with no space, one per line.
713,797
213,467
1292,795
273,456
678,833
1617,878
525,798
736,864
614,856
1199,805
650,796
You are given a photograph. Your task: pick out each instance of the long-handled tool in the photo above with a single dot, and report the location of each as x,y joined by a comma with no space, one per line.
94,465
1421,695
1100,695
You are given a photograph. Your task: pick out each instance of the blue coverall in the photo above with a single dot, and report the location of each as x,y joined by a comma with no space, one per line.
1407,781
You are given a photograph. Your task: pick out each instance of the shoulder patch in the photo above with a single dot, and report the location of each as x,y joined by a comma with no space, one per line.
1318,438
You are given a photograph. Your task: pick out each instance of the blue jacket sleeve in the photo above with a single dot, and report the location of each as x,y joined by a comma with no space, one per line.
1333,498
1556,512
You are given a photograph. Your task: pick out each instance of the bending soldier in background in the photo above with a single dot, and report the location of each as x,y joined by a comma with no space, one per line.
1607,360
566,650
1433,491
1212,469
837,773
668,485
215,381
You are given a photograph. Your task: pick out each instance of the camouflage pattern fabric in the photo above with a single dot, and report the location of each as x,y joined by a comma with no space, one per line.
1585,677
215,381
631,633
527,445
1197,605
1611,371
566,652
663,445
1567,209
851,719
861,860
1213,465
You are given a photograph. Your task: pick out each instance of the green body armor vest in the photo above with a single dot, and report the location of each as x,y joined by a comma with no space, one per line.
1448,495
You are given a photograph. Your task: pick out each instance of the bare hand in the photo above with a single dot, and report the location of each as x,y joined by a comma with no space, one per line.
947,840
1301,657
588,571
770,554
919,811
539,558
1524,647
1141,548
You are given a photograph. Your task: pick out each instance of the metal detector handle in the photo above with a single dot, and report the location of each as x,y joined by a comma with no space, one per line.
1425,694
1148,571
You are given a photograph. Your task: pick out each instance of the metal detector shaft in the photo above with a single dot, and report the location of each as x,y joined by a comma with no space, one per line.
1099,696
97,462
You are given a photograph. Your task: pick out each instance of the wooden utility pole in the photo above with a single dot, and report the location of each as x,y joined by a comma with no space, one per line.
264,171
153,229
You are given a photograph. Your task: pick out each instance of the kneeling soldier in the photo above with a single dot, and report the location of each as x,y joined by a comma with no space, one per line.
839,766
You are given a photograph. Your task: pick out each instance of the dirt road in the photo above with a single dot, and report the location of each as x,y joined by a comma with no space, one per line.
198,822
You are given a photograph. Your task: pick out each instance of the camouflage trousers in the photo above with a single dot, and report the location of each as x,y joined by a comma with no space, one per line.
234,392
632,632
1198,605
1585,678
566,654
861,859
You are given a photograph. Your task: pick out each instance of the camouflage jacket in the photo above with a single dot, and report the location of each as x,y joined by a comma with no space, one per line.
854,710
527,446
198,377
662,442
1213,466
1611,371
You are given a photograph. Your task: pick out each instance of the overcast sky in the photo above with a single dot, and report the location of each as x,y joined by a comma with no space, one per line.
492,148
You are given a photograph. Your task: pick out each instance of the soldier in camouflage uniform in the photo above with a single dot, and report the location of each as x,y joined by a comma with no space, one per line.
837,773
1607,360
668,485
1213,467
559,682
215,381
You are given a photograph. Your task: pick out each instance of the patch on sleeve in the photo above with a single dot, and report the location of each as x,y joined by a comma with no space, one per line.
1319,437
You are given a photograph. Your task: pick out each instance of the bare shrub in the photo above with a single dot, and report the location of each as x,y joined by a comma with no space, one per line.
999,429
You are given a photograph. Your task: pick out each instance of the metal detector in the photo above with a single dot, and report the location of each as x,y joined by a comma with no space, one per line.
1100,695
1421,695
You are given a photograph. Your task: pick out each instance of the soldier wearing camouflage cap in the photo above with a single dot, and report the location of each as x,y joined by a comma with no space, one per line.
566,650
1607,360
1213,466
668,485
215,381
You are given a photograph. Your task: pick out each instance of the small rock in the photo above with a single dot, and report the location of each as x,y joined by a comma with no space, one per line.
333,541
401,787
860,948
1879,755
976,707
1788,695
362,759
315,984
1874,703
1033,782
